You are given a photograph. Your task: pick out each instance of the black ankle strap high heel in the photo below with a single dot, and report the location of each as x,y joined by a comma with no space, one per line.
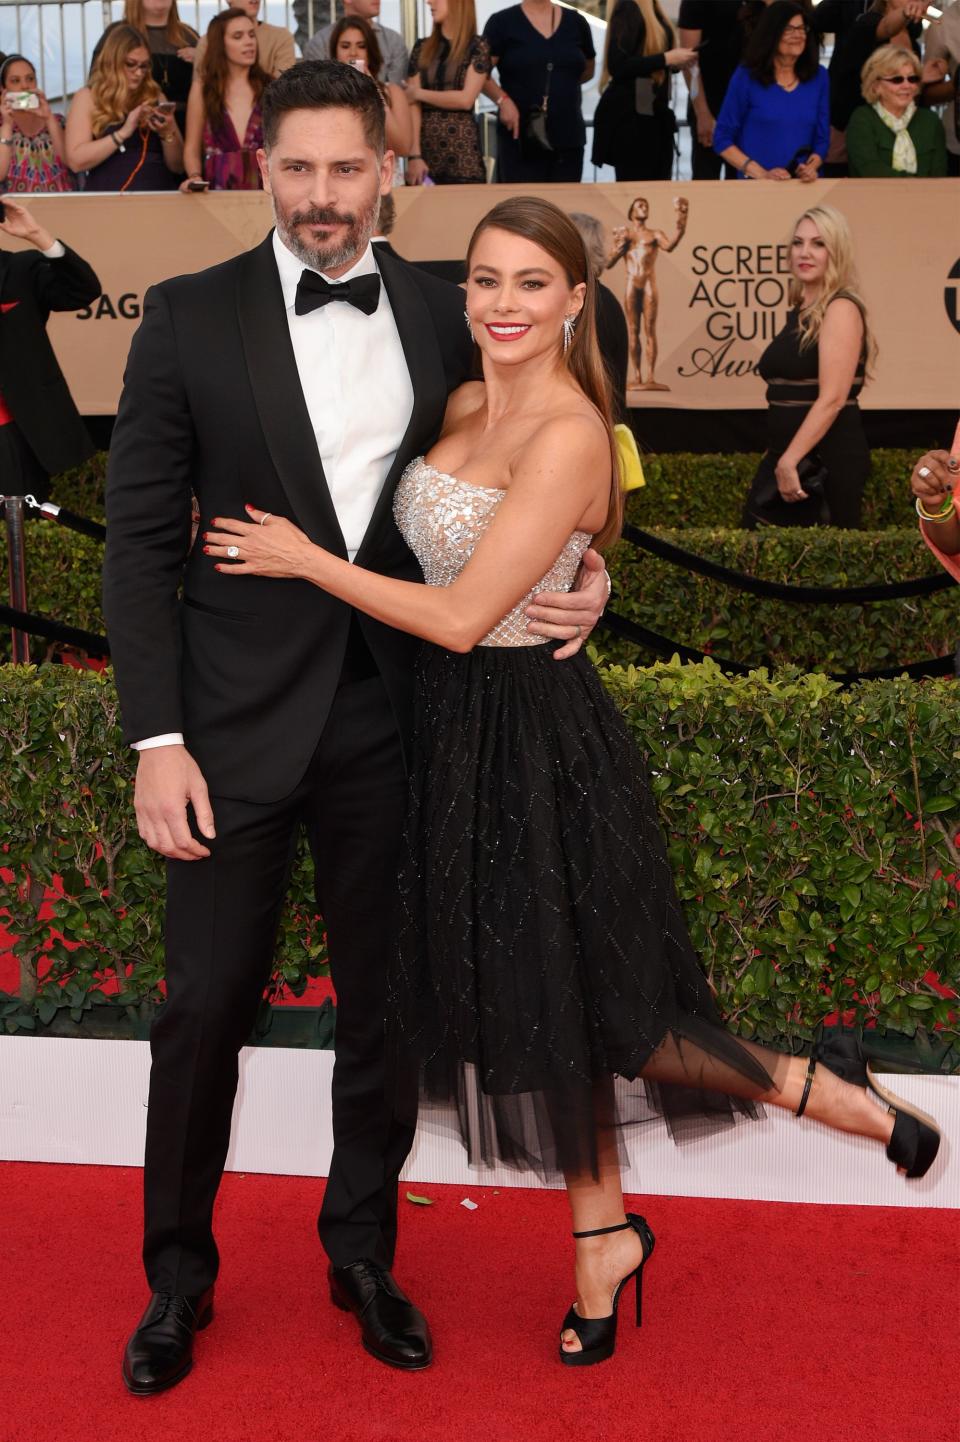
916,1137
598,1335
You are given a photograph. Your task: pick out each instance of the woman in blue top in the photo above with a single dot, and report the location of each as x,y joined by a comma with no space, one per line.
775,120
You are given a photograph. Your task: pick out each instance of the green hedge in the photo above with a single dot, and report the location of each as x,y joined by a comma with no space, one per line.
682,490
64,581
716,618
812,832
66,801
709,490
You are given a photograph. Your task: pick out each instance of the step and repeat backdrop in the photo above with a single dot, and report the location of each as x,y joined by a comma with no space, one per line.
701,269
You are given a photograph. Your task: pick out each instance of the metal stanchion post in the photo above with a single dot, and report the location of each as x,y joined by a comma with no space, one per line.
17,571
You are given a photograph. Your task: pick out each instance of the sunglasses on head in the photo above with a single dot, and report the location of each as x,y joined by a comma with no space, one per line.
901,79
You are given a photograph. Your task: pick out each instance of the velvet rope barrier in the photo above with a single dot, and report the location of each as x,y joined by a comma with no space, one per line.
778,590
663,646
70,519
52,630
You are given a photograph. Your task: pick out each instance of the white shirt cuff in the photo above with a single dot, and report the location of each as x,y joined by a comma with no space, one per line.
56,250
169,738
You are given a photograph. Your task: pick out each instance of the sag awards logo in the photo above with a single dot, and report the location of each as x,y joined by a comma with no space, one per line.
125,307
739,298
951,296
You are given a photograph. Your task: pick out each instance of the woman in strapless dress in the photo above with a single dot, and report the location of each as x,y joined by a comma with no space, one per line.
544,973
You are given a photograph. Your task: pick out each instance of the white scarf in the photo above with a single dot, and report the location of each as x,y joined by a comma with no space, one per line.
904,150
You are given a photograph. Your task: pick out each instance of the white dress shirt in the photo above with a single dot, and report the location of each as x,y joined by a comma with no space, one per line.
359,399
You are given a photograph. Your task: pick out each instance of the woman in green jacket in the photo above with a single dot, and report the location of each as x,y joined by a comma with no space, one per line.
889,135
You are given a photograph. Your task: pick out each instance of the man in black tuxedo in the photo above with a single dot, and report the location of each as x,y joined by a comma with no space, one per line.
41,432
302,376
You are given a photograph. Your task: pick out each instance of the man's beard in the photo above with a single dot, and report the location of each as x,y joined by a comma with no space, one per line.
326,257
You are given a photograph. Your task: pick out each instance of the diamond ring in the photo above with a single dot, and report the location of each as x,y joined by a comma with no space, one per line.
233,552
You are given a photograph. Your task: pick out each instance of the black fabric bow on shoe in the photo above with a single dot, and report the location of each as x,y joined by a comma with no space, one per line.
160,1352
363,291
394,1330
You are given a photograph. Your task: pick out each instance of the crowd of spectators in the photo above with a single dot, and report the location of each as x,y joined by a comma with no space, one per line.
165,108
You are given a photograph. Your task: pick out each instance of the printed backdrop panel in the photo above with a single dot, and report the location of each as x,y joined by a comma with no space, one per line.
701,269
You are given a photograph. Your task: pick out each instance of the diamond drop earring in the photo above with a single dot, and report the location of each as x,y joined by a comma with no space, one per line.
466,316
569,326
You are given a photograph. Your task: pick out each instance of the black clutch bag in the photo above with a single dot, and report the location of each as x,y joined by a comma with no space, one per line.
813,479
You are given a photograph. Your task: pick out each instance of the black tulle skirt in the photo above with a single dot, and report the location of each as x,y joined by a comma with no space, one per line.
544,977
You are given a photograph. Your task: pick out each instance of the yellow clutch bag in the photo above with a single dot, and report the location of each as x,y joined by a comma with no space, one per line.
631,471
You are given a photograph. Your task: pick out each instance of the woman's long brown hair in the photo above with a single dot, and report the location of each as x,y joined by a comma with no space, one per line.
462,21
216,66
553,231
110,91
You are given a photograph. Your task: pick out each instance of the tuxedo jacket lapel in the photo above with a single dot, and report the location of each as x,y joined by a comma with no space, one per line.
421,349
279,398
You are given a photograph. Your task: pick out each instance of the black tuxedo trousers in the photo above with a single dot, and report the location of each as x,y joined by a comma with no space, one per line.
296,710
222,917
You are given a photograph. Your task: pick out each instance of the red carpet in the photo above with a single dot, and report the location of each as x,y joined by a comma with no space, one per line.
764,1323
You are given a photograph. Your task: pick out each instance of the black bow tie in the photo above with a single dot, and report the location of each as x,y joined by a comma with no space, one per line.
313,291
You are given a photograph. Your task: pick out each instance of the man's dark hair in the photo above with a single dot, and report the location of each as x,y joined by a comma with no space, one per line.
762,45
325,85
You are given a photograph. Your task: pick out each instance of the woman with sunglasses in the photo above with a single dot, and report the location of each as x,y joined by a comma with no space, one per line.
890,135
121,129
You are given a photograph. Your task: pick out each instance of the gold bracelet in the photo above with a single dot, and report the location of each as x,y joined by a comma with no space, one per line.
941,517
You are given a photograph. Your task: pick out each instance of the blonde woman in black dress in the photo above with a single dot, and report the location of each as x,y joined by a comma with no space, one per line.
542,947
815,369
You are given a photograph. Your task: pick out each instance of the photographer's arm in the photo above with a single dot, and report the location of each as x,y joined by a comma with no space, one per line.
60,279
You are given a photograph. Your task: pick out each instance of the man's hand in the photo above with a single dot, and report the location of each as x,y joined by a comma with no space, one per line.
19,222
571,615
167,779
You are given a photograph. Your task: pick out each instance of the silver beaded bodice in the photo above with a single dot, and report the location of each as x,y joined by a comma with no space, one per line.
442,519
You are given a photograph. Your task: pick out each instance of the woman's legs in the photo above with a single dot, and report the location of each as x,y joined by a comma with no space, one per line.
597,1201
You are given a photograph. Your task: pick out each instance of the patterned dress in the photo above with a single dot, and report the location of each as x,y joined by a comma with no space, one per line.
449,139
228,164
34,165
542,950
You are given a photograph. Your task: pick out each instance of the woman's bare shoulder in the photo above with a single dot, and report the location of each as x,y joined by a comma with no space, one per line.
578,427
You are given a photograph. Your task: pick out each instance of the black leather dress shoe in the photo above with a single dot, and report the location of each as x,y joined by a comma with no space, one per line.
160,1352
394,1331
